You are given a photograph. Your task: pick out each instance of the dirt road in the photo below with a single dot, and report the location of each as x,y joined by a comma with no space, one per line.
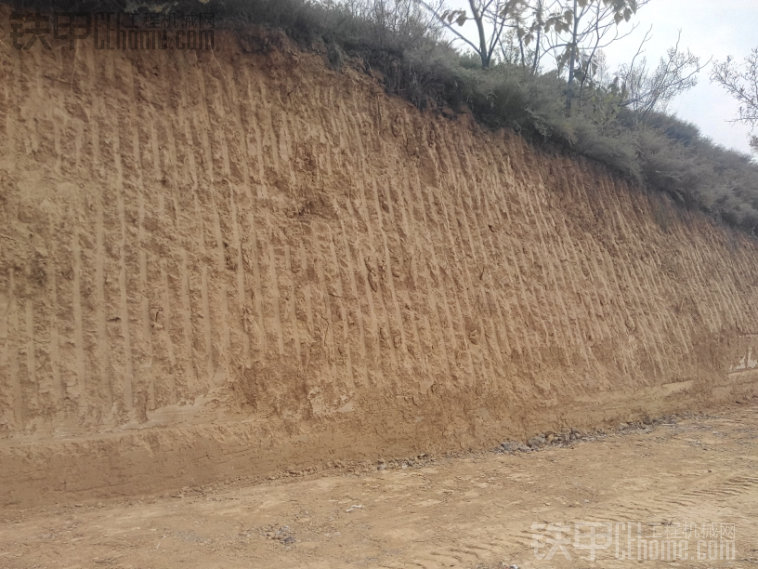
686,488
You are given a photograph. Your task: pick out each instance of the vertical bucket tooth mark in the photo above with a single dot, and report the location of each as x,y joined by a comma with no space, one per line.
226,167
126,341
158,173
356,297
164,318
327,336
448,341
143,343
553,299
440,226
30,391
695,283
650,344
58,388
373,321
190,387
732,285
655,323
413,242
574,282
100,303
559,288
658,276
724,292
622,315
373,324
225,356
750,276
498,334
601,290
527,294
255,262
673,328
529,321
468,308
207,328
291,294
390,279
346,336
562,282
56,135
306,290
205,128
241,285
81,371
275,296
124,307
255,148
372,271
7,379
285,145
624,300
495,342
400,182
268,136
437,324
147,369
446,348
242,155
584,293
66,320
178,174
222,278
190,163
497,245
11,353
540,225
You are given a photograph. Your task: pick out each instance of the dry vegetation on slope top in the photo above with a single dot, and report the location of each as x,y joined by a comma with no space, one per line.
661,153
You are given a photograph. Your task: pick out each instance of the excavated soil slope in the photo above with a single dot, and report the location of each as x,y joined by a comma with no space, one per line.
224,263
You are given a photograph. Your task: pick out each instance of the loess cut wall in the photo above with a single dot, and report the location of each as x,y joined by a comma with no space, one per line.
223,263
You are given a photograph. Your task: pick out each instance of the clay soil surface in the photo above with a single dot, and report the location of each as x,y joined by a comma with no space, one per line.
693,480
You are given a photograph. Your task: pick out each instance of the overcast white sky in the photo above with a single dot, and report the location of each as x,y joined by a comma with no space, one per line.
709,28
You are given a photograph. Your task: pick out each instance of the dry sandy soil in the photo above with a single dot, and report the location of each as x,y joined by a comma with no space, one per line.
686,479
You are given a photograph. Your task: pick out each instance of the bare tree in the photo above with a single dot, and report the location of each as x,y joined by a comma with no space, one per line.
573,31
742,84
492,18
576,30
649,90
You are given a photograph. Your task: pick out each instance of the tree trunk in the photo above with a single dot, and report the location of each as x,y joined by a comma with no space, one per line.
537,51
483,51
572,62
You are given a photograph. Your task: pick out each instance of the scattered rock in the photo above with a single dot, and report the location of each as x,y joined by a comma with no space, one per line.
283,534
536,442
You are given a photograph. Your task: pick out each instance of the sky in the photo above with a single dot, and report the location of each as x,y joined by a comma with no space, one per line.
710,28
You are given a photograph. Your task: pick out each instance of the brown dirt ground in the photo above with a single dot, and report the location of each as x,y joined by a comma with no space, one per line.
472,511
